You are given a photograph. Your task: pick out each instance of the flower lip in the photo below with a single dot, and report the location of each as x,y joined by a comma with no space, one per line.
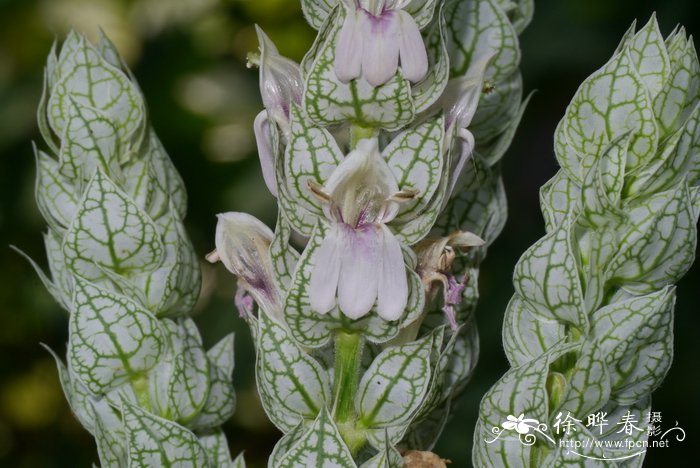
362,190
242,245
360,261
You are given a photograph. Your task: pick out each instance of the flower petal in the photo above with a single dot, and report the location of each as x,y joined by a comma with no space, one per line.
465,146
243,245
281,83
348,50
380,57
361,184
324,277
357,284
266,154
393,286
414,58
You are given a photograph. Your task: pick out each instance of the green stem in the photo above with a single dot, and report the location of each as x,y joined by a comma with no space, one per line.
140,386
348,356
358,132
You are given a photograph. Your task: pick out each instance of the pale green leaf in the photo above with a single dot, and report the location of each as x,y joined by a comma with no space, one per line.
588,383
293,385
79,398
520,391
216,447
462,360
417,160
283,256
316,11
322,446
311,156
63,299
558,198
527,336
155,441
221,400
180,383
611,102
579,448
388,457
110,436
679,159
285,443
478,29
110,232
649,56
429,89
616,440
636,339
395,385
678,96
520,12
546,278
657,246
601,191
88,80
111,338
90,142
56,196
482,211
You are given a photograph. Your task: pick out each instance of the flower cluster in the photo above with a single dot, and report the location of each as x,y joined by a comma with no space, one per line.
137,376
589,329
382,150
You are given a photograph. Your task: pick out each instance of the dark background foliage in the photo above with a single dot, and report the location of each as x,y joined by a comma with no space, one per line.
189,58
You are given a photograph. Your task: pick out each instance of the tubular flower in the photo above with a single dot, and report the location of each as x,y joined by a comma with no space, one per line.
377,36
360,261
281,85
242,245
459,102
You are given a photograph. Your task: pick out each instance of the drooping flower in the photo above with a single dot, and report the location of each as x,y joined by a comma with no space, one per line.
243,245
435,259
281,86
376,37
459,102
360,262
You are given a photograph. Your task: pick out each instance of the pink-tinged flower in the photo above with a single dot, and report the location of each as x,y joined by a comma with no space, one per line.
435,259
266,150
360,261
281,86
459,102
243,245
281,83
376,37
519,424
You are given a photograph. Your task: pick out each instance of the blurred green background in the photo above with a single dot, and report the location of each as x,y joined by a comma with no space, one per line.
189,58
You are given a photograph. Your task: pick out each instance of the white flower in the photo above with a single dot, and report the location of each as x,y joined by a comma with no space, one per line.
360,261
519,424
281,86
243,245
459,102
281,83
375,37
